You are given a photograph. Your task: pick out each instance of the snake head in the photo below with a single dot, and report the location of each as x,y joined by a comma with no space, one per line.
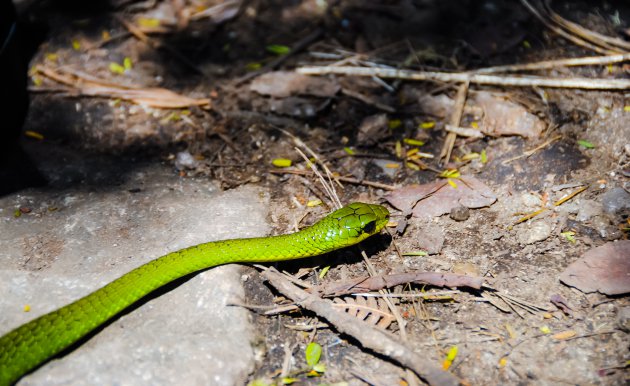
358,221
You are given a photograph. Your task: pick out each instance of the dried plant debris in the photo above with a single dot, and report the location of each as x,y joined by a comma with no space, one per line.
437,198
88,85
371,310
375,283
281,84
605,269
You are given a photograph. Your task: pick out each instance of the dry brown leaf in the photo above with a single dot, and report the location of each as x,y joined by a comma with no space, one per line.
504,117
605,269
438,198
281,84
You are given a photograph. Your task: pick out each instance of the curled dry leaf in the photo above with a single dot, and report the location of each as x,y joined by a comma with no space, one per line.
281,84
605,269
437,198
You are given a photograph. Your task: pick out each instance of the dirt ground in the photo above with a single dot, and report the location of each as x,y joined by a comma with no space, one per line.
532,147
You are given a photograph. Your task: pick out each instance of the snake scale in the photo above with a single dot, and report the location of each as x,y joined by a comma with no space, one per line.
29,346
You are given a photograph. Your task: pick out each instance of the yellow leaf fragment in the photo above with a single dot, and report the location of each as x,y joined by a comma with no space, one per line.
545,329
392,165
510,331
569,235
314,203
51,57
484,156
148,22
452,183
564,335
427,125
27,308
34,135
413,142
452,353
398,149
116,68
127,64
502,362
394,123
349,150
450,173
412,166
281,162
470,156
76,45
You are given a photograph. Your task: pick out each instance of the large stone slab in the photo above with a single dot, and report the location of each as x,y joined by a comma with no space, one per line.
75,241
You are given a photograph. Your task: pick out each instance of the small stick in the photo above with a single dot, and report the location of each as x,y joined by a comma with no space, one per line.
349,180
459,77
548,64
458,111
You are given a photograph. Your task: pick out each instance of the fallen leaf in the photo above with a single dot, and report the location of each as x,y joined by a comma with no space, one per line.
281,84
504,117
605,269
437,198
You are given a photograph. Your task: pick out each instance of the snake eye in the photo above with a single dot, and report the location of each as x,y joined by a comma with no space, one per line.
369,227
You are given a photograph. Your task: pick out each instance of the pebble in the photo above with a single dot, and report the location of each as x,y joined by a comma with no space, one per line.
588,209
623,319
616,200
538,231
460,213
185,160
531,200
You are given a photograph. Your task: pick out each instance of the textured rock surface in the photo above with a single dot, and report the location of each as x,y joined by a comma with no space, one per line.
75,241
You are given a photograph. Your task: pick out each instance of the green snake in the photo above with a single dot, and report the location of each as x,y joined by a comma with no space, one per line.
32,344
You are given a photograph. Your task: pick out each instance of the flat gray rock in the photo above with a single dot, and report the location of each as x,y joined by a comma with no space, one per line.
75,241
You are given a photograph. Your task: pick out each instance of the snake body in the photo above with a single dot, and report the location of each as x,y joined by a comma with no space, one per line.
32,344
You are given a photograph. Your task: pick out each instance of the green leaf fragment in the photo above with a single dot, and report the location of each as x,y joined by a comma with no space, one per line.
313,353
278,49
586,144
349,150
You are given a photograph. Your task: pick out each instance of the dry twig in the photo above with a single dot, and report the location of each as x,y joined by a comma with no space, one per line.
459,77
371,338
